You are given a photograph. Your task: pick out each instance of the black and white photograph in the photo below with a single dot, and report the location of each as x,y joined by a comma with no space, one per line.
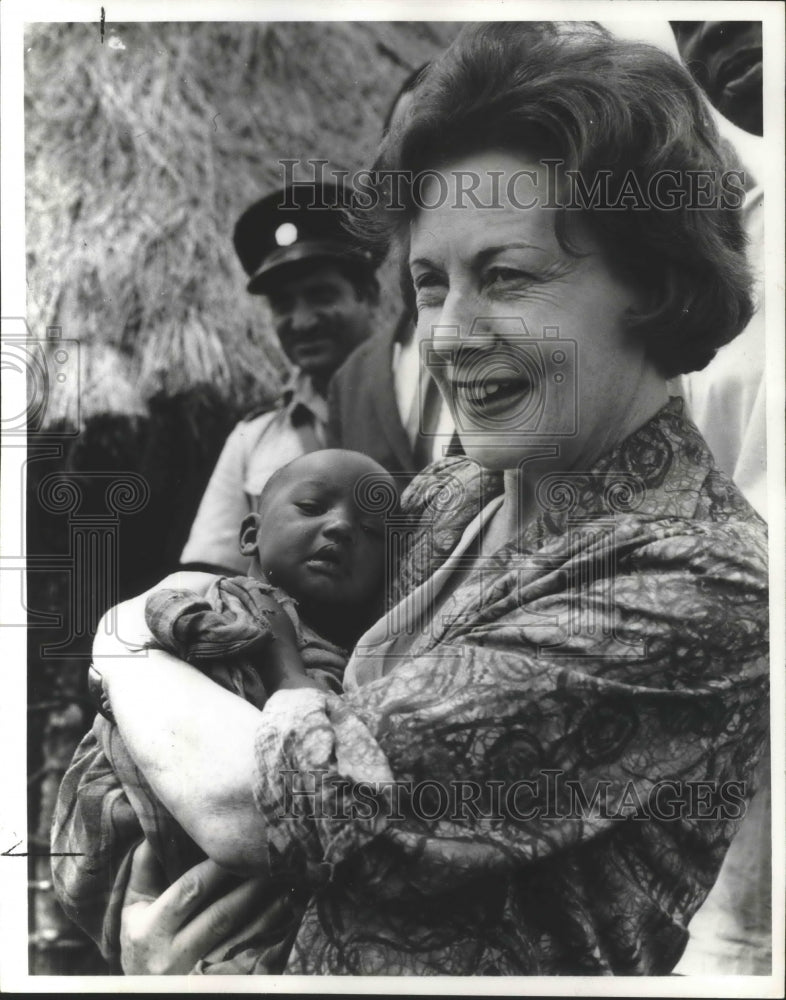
393,498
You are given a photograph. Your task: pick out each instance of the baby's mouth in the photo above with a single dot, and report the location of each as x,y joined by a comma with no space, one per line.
330,559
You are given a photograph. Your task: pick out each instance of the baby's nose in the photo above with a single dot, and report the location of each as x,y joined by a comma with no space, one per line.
339,528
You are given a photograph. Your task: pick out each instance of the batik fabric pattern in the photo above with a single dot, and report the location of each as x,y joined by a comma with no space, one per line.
614,656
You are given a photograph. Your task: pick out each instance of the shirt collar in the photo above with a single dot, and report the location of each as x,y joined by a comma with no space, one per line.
657,472
299,393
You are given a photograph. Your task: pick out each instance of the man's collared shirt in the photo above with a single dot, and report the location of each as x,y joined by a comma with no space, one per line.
254,450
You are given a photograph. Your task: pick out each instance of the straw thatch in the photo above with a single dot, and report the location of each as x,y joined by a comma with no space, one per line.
141,152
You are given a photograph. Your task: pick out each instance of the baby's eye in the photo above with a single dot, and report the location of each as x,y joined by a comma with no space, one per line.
310,507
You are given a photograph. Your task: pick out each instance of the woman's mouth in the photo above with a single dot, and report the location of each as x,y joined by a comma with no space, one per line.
493,397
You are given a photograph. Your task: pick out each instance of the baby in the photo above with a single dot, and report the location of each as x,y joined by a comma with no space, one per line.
315,581
315,584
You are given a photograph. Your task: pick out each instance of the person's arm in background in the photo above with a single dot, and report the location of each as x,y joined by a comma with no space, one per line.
213,543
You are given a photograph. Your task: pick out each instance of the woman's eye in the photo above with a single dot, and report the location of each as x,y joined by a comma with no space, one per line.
373,529
429,288
427,279
506,275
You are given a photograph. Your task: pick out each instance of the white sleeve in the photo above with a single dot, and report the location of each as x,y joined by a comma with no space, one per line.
214,537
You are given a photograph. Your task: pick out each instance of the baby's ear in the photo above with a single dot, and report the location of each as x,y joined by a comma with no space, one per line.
248,535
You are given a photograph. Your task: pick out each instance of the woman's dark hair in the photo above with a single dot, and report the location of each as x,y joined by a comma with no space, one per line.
621,111
409,84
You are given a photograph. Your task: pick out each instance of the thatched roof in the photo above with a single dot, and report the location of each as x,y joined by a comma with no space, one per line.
143,150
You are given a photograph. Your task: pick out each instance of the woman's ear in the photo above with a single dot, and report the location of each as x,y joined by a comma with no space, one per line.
249,530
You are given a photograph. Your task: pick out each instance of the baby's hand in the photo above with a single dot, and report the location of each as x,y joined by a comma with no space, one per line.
283,665
281,627
267,608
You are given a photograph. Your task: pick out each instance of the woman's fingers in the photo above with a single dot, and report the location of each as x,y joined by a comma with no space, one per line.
189,894
227,915
158,936
146,881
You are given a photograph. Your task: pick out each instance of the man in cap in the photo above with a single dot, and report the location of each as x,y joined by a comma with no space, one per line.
321,289
382,401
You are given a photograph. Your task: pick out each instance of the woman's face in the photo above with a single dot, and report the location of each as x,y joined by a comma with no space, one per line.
525,341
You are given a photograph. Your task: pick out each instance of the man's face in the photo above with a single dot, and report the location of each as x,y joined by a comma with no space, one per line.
725,59
318,317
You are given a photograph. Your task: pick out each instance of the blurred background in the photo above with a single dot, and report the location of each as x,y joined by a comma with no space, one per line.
141,152
142,148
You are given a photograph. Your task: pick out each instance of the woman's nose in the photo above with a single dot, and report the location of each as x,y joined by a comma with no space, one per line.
460,317
452,333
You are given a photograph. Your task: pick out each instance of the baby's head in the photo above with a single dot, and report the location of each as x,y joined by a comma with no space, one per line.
312,537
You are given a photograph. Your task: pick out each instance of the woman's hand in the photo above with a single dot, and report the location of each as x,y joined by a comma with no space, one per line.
166,931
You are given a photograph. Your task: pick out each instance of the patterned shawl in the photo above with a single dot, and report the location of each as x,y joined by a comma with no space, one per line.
548,782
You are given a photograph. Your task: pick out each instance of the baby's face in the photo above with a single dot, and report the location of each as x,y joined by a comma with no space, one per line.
314,540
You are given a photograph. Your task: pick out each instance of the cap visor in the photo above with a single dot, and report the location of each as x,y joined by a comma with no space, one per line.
284,257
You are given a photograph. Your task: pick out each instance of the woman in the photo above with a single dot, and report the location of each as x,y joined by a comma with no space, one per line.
543,749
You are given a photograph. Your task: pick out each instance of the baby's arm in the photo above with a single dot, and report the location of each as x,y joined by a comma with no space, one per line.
234,630
238,633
